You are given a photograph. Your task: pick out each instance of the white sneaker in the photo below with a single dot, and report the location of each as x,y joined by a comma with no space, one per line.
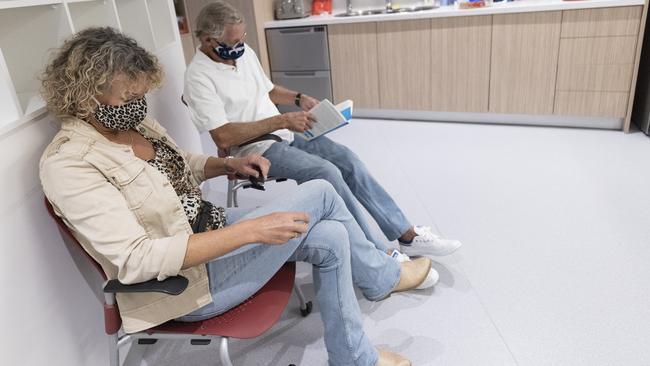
432,277
427,243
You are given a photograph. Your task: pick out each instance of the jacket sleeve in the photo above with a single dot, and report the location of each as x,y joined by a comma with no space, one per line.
99,217
197,164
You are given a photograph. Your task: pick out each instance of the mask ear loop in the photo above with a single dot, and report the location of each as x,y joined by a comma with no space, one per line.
99,105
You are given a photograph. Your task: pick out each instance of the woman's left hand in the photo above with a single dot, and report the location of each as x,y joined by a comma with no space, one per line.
307,102
247,165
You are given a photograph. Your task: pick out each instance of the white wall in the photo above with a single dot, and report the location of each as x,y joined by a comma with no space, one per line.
51,316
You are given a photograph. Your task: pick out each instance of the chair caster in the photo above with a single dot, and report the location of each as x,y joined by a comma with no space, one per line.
307,310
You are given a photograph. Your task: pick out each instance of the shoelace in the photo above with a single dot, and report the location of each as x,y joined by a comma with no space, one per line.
425,234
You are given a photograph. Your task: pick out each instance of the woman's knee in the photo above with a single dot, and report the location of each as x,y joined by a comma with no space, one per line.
321,188
332,238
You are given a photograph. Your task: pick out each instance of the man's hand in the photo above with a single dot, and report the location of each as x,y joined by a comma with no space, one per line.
246,166
307,102
278,228
298,121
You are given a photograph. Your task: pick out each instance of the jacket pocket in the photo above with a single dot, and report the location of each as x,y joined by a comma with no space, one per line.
134,183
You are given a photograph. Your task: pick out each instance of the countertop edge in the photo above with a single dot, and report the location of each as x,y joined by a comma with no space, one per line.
450,11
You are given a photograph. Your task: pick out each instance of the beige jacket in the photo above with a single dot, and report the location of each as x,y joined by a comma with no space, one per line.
126,215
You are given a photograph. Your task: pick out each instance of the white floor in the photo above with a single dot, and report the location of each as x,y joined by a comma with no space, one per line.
555,267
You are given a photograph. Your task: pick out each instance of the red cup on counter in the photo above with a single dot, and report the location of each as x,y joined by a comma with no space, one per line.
319,7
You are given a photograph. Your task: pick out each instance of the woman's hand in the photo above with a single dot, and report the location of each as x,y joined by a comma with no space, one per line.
307,102
247,166
279,227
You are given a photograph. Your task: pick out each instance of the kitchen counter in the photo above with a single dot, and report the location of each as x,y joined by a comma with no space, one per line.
522,6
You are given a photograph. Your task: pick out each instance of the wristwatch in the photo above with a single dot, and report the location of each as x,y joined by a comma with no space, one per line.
297,99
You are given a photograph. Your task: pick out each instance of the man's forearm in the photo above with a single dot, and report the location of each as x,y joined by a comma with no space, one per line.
236,133
281,95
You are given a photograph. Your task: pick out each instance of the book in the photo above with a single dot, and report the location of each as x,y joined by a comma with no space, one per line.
329,117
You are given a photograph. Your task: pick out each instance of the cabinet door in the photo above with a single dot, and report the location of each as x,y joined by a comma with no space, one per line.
405,64
596,61
604,22
353,58
524,62
594,76
460,72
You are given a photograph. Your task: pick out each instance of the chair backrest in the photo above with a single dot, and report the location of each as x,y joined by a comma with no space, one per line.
112,319
66,230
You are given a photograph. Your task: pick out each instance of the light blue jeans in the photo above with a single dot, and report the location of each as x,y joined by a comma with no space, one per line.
325,159
340,254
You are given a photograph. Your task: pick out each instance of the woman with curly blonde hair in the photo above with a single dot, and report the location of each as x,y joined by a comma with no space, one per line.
132,199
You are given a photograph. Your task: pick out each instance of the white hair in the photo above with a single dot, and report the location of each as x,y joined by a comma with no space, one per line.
214,18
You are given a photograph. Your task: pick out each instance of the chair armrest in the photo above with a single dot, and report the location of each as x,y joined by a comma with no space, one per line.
171,286
268,136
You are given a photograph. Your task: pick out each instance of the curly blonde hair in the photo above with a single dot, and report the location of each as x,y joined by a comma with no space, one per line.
87,63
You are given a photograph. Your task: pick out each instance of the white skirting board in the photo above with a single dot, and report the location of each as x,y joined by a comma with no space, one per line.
609,123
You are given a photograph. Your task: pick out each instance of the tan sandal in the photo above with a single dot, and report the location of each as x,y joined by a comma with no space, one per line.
413,273
390,358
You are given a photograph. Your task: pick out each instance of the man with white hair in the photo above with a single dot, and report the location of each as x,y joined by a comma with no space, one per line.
231,98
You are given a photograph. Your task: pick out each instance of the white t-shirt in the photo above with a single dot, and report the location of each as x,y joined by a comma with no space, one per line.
217,94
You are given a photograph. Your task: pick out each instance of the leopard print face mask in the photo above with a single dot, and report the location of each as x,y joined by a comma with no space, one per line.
122,117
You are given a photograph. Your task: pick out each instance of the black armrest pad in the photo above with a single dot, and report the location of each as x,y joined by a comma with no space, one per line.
171,285
268,136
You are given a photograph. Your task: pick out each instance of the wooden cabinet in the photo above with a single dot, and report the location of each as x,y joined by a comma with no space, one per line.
460,67
524,62
567,63
353,60
404,65
596,61
604,22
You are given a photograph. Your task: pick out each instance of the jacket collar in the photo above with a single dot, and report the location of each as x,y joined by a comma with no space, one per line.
149,128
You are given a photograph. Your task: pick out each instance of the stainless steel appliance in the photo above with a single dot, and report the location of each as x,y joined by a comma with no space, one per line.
299,60
291,9
641,111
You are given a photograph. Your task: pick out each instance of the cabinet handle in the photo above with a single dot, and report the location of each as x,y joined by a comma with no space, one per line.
296,30
300,73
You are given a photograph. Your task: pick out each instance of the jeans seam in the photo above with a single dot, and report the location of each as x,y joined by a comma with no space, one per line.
340,308
348,332
383,211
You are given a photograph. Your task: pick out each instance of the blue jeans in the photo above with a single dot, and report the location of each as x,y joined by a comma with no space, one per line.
325,159
340,254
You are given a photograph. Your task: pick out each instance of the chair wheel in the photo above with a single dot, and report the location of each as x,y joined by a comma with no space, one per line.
307,310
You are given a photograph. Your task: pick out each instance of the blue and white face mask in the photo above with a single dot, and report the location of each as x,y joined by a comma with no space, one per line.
226,52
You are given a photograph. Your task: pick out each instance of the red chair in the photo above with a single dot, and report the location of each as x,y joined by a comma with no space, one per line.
249,319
